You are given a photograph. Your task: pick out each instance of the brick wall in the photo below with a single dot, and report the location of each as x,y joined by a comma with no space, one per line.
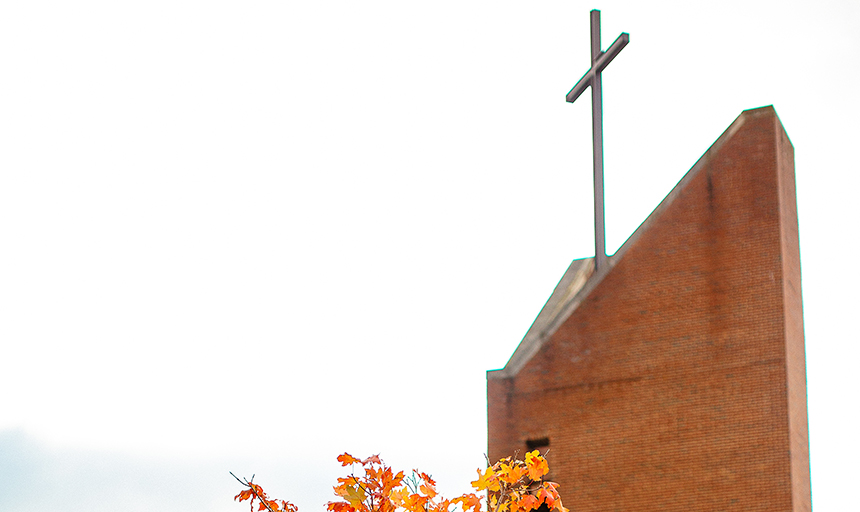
678,383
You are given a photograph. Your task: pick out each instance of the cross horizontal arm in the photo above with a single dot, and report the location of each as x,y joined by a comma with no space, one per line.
606,57
580,86
603,59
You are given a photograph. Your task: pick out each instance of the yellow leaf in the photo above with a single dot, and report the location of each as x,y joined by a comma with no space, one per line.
537,465
486,481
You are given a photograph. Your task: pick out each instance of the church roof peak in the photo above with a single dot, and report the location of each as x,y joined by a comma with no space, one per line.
581,278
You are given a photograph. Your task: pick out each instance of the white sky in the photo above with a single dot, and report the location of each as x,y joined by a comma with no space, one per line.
250,236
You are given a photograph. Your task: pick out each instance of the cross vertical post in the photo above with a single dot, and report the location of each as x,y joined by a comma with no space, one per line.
599,61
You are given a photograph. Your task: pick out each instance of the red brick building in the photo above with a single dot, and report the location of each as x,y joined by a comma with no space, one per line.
674,378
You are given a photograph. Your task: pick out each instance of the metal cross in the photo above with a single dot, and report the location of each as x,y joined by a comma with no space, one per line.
599,61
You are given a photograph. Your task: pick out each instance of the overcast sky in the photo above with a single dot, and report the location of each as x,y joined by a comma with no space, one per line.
249,236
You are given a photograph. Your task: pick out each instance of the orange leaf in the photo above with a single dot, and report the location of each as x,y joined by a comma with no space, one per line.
373,459
512,474
429,490
544,497
537,465
347,459
469,501
339,506
529,502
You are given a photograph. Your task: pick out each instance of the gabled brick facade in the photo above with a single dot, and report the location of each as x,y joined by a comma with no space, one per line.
674,379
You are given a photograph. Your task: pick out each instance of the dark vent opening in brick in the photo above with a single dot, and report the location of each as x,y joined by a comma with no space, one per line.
538,444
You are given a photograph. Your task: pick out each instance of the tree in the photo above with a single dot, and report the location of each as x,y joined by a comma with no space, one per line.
512,485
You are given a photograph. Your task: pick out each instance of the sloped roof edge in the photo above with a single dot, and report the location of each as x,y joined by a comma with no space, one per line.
580,279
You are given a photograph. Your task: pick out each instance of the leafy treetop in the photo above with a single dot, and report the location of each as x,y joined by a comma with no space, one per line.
512,485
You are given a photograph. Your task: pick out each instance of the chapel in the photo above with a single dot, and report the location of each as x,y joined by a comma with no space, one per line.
673,377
